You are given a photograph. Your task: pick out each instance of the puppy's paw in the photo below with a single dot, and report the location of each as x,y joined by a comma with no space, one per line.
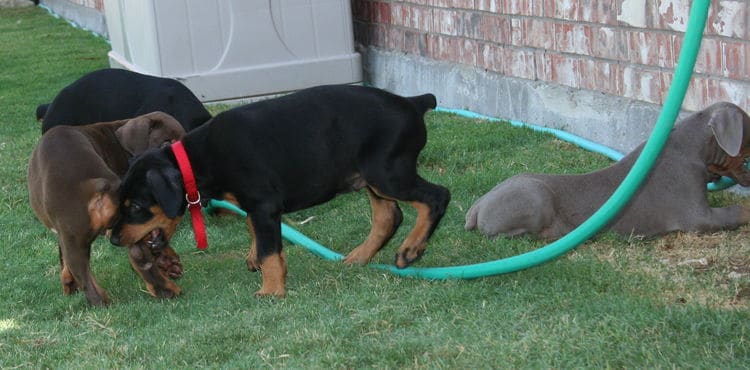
278,293
168,290
169,263
406,258
253,264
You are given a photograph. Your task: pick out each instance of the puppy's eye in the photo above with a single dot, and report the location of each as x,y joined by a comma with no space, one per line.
135,207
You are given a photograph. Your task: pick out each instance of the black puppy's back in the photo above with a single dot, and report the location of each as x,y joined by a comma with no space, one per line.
319,141
114,94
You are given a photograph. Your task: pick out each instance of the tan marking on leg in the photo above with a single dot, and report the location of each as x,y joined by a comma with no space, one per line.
274,271
414,244
383,224
252,256
68,281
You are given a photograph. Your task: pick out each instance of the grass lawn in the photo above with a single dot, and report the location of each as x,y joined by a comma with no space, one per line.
677,301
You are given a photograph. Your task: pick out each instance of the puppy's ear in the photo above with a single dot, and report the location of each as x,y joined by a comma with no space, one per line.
134,135
166,185
164,129
726,125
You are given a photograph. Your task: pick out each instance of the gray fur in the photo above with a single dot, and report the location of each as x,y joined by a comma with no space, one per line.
702,147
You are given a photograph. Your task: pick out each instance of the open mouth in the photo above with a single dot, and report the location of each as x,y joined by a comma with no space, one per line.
154,240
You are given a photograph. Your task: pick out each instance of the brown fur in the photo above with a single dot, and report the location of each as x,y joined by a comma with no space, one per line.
73,179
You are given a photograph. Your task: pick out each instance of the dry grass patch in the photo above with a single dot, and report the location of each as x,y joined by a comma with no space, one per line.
708,269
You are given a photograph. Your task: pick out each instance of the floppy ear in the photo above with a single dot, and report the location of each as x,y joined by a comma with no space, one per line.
134,135
166,185
726,125
164,129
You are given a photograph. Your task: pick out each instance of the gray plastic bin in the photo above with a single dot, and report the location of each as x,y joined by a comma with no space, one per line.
231,49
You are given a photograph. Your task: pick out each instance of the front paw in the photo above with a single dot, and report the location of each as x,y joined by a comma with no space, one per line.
168,290
169,263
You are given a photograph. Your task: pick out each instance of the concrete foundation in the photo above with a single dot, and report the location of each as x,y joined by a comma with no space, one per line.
613,121
87,18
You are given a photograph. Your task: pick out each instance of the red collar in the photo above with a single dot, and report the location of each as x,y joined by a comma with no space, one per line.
191,190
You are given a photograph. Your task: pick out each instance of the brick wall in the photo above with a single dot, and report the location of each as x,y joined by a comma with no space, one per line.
625,48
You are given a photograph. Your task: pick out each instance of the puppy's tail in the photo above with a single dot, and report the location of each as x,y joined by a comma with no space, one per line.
424,102
471,217
41,110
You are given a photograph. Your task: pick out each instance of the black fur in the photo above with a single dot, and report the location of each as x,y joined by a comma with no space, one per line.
113,94
297,151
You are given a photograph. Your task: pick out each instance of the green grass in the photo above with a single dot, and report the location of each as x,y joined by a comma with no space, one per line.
610,303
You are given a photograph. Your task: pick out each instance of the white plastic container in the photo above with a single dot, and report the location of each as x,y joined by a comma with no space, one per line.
233,49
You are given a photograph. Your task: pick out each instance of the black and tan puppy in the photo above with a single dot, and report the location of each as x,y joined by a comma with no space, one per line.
291,153
114,94
73,179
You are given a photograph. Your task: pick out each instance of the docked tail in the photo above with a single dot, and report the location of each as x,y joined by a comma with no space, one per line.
424,102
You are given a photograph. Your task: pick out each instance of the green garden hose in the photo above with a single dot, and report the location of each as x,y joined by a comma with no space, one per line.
621,196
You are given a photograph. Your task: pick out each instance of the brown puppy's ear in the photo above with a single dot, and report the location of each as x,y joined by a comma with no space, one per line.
726,125
134,135
164,129
102,205
166,185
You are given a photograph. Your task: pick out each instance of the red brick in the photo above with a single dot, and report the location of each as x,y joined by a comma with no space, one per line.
734,91
490,57
517,37
644,85
729,18
699,92
523,7
444,22
395,39
495,28
607,42
735,63
598,11
668,15
494,6
519,63
543,64
564,37
420,18
539,33
463,4
565,70
603,75
709,57
415,42
382,12
567,9
651,48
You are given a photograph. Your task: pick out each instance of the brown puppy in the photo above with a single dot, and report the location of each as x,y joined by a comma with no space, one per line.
73,179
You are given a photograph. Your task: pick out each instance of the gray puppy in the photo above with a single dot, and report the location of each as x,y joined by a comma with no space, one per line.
704,146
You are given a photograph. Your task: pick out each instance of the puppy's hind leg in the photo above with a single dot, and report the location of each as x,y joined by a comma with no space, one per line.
66,277
76,255
386,218
428,199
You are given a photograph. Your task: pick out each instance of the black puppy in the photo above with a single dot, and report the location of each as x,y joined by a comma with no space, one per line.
114,94
291,153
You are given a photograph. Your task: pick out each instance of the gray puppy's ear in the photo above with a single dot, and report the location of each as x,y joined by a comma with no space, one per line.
726,125
166,185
